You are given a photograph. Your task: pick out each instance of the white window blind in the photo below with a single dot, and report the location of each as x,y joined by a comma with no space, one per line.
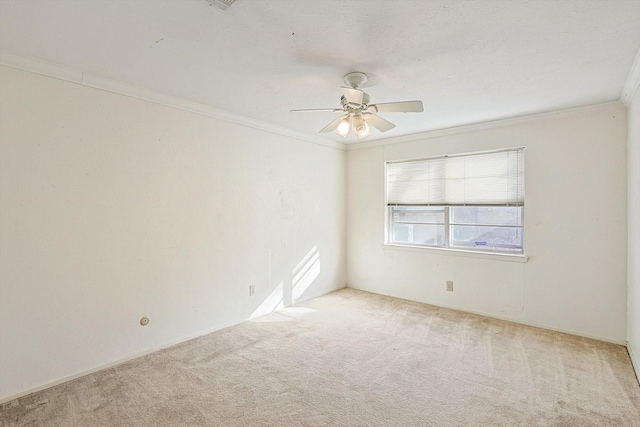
494,178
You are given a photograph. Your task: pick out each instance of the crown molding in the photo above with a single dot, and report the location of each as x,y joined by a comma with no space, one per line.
633,82
38,66
72,75
69,74
493,124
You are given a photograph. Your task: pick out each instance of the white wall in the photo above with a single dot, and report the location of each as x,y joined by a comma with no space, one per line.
113,208
575,227
633,307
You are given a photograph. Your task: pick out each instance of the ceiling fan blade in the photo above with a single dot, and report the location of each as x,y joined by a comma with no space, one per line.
398,107
333,125
378,122
354,96
316,110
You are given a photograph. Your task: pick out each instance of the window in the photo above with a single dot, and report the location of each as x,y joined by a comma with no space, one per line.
469,202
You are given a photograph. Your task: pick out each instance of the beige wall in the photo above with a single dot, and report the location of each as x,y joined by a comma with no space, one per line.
575,227
113,208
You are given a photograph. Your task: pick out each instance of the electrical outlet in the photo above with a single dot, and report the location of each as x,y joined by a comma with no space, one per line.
450,285
252,290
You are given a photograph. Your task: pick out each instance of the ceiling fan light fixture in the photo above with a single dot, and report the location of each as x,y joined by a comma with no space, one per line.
366,132
343,127
358,124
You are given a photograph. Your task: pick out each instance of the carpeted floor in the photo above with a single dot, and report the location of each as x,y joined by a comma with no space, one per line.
353,358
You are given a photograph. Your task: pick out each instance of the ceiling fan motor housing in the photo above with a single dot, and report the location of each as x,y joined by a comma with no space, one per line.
351,106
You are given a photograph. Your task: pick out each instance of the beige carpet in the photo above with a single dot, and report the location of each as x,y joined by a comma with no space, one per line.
355,359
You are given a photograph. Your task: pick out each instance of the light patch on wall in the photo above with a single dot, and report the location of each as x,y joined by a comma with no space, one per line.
272,303
305,273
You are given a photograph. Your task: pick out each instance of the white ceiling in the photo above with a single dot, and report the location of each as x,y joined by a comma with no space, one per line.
468,61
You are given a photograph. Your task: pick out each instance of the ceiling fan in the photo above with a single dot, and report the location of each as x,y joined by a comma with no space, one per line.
358,113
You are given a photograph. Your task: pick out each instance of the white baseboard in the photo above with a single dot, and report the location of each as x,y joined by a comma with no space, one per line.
506,319
541,326
634,362
109,365
135,356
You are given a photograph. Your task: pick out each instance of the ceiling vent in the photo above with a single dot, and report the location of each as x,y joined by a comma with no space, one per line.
222,4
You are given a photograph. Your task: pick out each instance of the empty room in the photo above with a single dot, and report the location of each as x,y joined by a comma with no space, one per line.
319,213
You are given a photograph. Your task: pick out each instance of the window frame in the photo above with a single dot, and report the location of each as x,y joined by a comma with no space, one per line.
447,247
447,225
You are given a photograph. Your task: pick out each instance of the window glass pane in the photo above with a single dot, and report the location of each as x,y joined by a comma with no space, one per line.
418,234
487,215
486,237
417,214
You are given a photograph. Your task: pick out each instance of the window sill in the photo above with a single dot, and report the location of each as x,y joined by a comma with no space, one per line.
457,252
